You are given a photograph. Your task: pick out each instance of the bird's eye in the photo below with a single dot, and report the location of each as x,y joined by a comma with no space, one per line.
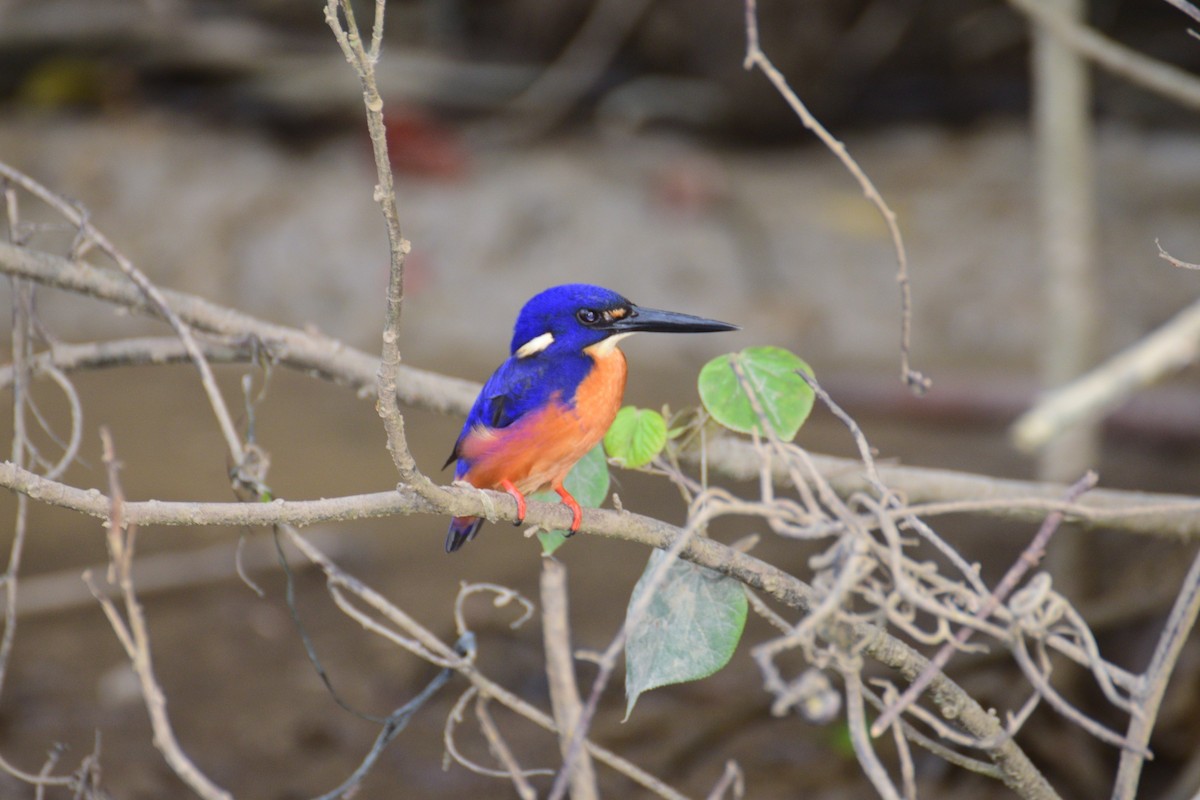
587,316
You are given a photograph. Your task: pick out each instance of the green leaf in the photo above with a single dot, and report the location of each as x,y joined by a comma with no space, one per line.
689,630
772,380
636,436
587,482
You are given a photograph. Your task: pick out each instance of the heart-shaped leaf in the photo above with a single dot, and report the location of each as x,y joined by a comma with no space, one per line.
636,436
689,631
770,380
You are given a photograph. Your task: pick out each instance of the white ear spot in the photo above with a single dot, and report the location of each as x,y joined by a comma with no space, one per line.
535,345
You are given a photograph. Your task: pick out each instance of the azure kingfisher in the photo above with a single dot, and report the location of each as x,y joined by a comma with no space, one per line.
555,396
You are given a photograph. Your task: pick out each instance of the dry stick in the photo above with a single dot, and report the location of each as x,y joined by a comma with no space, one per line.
938,749
1018,500
1016,769
560,673
1170,348
22,301
897,658
1166,653
22,298
135,638
755,57
886,495
1062,132
1172,260
1029,559
304,350
856,720
463,501
75,410
155,298
1164,79
622,525
386,402
1134,512
41,779
22,309
503,597
501,750
731,780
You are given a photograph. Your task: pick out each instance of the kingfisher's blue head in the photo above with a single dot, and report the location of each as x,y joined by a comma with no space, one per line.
570,318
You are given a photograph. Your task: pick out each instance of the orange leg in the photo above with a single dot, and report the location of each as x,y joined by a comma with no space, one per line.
508,486
573,504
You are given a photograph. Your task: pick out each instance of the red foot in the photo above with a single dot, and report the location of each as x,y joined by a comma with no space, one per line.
508,486
573,504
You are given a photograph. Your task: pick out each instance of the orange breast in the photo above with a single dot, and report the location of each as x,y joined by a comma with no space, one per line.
538,451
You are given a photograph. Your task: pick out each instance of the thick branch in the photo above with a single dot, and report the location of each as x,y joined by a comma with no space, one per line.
303,350
945,491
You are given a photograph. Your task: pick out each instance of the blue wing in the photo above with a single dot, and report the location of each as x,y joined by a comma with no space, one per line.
519,386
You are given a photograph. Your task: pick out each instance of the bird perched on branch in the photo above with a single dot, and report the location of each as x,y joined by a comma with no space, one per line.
555,396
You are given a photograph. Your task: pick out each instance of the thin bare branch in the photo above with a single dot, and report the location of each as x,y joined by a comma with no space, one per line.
386,402
1179,624
755,57
502,752
134,636
1170,259
857,722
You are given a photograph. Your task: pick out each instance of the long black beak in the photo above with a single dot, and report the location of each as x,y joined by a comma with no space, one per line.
658,321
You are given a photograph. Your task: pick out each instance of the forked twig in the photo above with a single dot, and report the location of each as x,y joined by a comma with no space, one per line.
363,61
134,636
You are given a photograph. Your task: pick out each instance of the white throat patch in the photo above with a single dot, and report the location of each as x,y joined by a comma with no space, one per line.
535,345
606,346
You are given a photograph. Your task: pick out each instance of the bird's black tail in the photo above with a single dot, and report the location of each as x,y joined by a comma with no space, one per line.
462,530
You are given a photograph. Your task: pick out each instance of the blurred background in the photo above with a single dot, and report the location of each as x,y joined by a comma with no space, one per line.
222,146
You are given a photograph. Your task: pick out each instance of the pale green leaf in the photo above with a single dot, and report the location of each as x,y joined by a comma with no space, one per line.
689,630
636,436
